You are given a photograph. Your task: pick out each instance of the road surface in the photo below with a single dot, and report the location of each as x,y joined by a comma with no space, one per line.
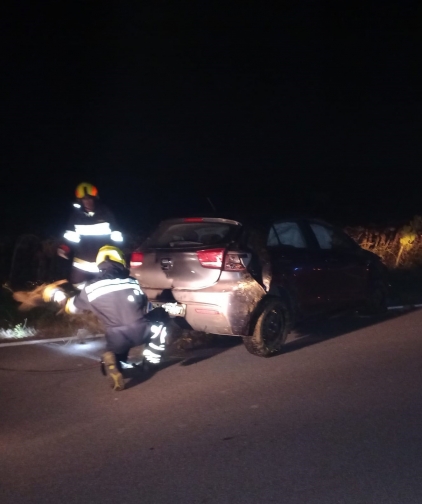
336,419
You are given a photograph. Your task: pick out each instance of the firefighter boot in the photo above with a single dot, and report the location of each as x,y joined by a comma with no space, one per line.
112,370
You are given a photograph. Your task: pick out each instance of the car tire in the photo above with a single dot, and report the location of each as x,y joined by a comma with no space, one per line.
376,300
270,330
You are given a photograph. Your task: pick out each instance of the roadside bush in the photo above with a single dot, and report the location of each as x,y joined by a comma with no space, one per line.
399,246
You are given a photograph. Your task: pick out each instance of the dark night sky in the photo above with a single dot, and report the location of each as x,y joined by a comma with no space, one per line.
314,107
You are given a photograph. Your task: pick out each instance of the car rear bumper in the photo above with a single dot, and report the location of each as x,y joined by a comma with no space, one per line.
220,309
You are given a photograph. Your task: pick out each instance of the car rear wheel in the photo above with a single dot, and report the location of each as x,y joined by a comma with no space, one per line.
376,301
270,331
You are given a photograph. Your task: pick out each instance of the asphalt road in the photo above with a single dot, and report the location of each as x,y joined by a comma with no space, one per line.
335,419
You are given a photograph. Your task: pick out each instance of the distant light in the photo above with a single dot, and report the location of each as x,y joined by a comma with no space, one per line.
76,205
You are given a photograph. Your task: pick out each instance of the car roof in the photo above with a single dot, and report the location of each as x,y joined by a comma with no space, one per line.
255,220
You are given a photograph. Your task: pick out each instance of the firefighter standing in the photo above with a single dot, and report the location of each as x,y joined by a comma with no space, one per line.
118,301
91,225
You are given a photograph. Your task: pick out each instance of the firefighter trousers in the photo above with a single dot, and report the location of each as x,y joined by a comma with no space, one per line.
121,339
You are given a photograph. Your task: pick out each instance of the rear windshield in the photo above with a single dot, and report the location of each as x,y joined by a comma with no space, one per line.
191,234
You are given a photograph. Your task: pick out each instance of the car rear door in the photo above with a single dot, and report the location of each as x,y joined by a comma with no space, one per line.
346,278
296,266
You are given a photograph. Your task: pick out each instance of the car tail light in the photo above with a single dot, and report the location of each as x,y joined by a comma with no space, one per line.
234,261
136,259
212,258
215,259
193,219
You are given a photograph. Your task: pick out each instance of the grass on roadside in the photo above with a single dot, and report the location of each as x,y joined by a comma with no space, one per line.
41,322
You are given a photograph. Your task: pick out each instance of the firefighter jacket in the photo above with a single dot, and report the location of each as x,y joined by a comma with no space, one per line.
118,301
114,297
87,232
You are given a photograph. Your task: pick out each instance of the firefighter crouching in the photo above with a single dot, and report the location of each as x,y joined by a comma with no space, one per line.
118,301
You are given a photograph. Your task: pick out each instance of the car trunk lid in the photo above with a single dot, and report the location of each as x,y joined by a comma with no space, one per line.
185,253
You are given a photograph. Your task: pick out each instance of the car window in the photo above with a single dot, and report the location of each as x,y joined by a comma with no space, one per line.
286,234
342,241
191,234
331,239
323,236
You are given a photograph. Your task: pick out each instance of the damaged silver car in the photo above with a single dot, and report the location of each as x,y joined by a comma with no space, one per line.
219,276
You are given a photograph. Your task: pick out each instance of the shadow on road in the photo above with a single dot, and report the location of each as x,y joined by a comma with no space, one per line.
187,357
312,332
305,334
137,378
205,350
222,344
183,357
